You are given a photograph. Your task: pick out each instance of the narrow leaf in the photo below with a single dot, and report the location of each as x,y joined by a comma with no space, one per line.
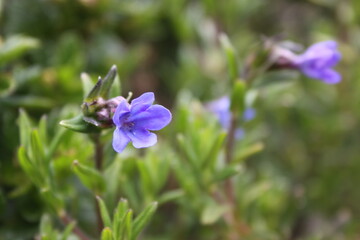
104,212
143,218
129,225
106,234
108,82
120,212
226,173
87,84
90,177
231,57
25,128
78,124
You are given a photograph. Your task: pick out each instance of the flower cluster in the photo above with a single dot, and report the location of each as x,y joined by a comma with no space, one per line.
135,121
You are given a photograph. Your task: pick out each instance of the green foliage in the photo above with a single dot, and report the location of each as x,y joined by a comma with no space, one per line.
289,171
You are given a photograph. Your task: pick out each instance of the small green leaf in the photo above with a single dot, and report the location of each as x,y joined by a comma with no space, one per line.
69,228
25,128
28,101
248,151
78,124
231,57
143,218
94,93
56,140
226,173
171,196
212,212
90,177
46,225
43,129
120,212
38,151
106,234
29,167
52,199
210,160
238,96
15,46
129,225
104,212
87,84
108,82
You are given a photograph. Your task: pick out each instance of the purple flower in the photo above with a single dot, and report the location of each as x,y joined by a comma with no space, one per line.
134,122
318,60
221,108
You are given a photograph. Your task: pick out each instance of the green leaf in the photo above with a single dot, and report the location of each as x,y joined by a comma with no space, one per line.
171,196
143,218
94,93
25,128
108,82
56,140
120,212
210,160
15,46
90,177
248,151
28,101
106,234
212,212
52,199
78,124
69,228
38,151
43,129
46,225
129,225
104,212
29,167
87,84
238,96
226,173
231,57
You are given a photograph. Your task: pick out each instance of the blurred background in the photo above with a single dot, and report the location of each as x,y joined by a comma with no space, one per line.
303,185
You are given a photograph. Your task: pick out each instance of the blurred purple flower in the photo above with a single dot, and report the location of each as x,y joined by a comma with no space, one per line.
133,122
318,60
221,109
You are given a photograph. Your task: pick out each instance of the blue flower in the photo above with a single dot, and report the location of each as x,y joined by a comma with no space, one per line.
221,109
318,60
134,122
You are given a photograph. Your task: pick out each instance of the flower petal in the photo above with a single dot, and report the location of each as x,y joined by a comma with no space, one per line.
122,108
330,76
142,138
120,140
142,103
154,118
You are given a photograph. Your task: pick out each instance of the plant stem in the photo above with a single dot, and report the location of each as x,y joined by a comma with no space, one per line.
229,188
98,158
67,219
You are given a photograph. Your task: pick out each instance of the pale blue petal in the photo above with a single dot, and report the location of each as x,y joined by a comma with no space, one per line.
142,138
154,118
142,103
122,109
120,140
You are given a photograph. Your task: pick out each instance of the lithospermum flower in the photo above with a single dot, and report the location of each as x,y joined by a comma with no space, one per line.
317,62
135,121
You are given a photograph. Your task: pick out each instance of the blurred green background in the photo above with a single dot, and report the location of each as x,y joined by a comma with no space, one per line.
303,185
